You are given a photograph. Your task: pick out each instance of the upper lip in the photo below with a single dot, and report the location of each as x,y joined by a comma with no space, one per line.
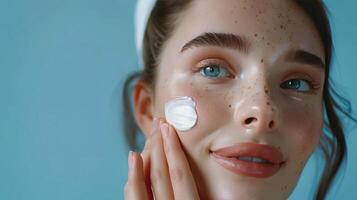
263,151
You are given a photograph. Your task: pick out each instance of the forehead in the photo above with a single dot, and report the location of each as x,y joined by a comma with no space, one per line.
271,25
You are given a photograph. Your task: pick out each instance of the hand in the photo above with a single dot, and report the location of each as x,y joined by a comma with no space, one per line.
162,170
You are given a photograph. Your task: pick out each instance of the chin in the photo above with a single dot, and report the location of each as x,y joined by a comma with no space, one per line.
242,193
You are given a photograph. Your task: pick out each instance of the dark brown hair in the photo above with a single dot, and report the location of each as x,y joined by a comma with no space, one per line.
160,27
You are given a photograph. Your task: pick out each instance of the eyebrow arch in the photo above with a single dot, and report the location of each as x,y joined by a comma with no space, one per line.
220,40
240,43
304,57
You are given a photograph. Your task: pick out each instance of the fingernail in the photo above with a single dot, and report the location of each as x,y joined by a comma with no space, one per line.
165,129
130,160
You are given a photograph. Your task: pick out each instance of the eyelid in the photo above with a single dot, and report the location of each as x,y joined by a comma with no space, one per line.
218,62
314,87
302,76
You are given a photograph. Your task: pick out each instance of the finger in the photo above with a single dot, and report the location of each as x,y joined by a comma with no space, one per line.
146,155
135,188
159,175
146,172
146,151
184,186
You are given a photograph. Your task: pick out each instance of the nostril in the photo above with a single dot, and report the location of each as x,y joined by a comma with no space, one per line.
271,124
249,120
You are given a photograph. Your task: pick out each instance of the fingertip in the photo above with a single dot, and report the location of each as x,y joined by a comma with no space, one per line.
135,188
139,159
164,128
171,129
138,166
173,134
162,120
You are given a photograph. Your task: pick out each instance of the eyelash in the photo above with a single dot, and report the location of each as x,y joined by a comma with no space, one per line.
228,74
312,85
214,66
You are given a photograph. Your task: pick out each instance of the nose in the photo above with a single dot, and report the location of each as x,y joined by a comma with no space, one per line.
257,111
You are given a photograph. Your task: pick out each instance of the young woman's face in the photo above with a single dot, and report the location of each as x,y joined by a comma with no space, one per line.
265,87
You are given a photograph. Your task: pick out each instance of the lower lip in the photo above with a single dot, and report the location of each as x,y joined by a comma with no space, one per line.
257,170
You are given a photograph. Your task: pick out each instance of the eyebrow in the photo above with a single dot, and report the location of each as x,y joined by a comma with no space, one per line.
305,57
219,39
240,43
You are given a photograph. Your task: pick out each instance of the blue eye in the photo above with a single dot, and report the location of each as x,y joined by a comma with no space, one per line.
214,71
297,84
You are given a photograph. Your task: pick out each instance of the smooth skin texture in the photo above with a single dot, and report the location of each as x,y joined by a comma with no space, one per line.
249,100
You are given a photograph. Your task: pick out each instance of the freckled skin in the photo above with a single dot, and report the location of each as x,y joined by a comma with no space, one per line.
289,121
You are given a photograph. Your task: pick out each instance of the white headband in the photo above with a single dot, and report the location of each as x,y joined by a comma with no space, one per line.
142,14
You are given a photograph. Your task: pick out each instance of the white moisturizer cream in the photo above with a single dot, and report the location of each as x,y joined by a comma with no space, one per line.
181,113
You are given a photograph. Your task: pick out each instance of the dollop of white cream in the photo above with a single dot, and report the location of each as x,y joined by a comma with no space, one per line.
181,113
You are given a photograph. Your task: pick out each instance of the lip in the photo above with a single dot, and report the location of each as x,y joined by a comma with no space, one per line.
228,158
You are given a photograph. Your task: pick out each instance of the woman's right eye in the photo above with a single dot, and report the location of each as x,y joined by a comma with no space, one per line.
214,71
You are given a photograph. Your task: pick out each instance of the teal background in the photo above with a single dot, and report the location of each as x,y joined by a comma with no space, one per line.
62,65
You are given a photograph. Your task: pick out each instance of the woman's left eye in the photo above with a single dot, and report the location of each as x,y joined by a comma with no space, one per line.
214,71
299,85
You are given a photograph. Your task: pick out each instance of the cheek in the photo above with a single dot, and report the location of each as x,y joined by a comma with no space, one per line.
209,103
303,129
